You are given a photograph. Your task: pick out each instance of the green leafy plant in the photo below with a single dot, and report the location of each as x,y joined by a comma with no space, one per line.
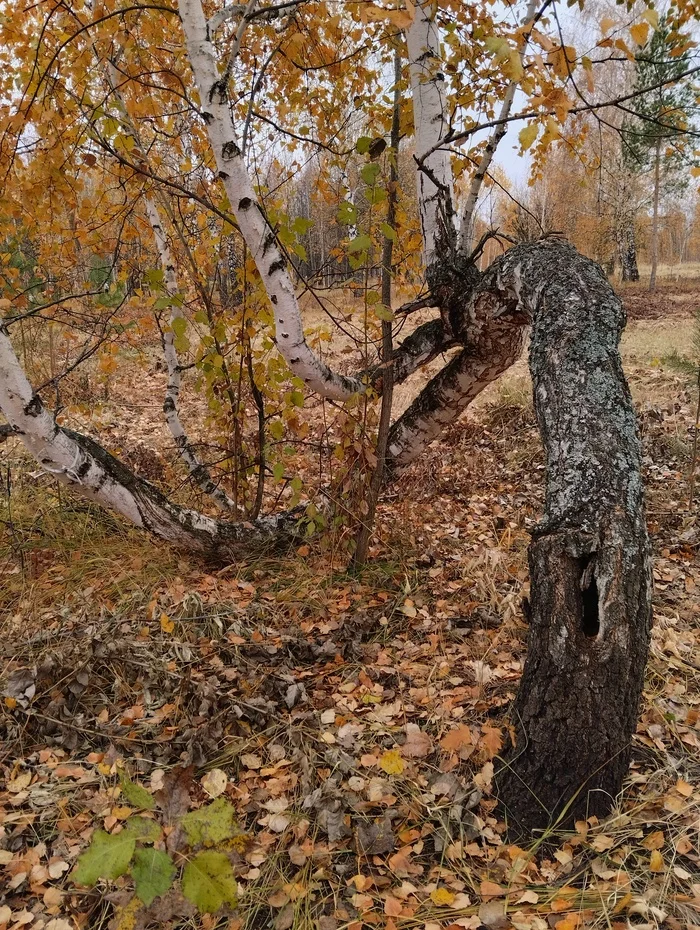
201,862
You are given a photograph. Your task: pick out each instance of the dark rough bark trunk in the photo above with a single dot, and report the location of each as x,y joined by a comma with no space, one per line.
577,705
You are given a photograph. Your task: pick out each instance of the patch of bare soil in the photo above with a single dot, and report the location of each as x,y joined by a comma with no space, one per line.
668,301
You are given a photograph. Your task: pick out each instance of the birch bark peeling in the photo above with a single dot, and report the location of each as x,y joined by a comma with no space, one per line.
79,462
435,200
576,709
246,207
490,322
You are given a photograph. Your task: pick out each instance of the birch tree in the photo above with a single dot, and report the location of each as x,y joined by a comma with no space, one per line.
204,82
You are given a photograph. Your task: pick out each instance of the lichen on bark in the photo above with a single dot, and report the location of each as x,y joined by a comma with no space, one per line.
576,709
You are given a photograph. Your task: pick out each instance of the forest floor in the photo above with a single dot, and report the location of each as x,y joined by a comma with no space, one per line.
353,722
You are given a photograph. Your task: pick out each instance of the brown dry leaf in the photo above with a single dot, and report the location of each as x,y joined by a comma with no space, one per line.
491,890
492,914
22,918
674,804
570,922
52,896
278,899
19,782
57,867
461,901
528,897
214,782
491,741
297,855
174,797
285,918
392,906
418,743
376,839
684,788
456,739
251,761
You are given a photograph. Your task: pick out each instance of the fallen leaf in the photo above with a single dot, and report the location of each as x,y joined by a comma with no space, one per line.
418,743
656,862
391,762
492,914
456,739
214,782
443,897
654,840
491,890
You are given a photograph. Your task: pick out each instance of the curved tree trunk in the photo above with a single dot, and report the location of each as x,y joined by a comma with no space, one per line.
79,462
576,709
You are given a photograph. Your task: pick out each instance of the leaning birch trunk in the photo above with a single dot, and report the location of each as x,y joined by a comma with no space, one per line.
249,212
79,462
576,710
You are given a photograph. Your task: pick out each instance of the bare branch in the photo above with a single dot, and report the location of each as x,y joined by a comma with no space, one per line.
467,219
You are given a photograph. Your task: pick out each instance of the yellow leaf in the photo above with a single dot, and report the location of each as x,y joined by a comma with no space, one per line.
639,33
10,703
655,840
622,903
513,65
442,897
369,13
126,914
391,762
695,171
527,135
656,862
166,624
570,922
652,17
606,24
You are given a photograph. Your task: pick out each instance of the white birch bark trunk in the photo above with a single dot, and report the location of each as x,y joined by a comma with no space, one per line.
79,462
434,175
171,410
249,213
